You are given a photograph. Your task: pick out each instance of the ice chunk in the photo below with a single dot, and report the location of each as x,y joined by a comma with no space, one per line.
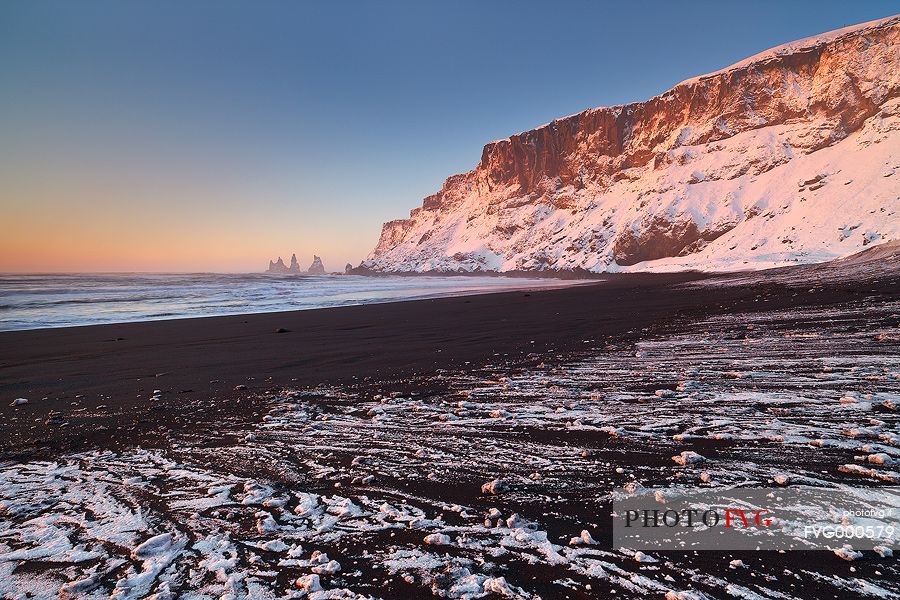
633,488
495,487
437,539
309,583
686,595
76,589
584,539
847,552
688,457
158,544
499,586
329,568
266,524
274,546
880,458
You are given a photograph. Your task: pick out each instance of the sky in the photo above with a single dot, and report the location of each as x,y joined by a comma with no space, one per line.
215,135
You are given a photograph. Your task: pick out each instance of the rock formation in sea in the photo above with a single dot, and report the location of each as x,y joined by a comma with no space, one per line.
277,266
316,266
792,155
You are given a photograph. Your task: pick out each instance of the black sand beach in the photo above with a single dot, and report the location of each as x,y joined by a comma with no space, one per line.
364,435
210,368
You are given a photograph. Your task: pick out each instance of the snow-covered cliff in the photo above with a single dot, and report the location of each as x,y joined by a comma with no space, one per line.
792,155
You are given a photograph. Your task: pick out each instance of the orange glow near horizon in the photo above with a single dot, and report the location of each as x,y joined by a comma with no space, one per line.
42,237
82,248
196,221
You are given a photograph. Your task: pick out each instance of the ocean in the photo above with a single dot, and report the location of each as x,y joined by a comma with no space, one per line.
40,301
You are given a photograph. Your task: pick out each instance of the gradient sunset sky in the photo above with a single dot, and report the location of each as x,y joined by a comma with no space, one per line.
213,136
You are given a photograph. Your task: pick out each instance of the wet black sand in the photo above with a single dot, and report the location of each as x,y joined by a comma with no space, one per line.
88,387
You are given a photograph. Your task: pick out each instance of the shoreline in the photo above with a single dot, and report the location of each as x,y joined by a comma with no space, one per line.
393,418
102,376
53,303
89,386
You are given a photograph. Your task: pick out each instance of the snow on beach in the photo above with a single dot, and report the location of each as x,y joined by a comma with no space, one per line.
489,483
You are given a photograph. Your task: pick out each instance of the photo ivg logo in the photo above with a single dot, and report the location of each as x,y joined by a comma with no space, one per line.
694,517
797,518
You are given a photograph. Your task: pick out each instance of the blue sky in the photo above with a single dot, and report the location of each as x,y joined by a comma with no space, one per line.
215,135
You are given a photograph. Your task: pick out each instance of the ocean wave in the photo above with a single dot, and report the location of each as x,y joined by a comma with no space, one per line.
41,301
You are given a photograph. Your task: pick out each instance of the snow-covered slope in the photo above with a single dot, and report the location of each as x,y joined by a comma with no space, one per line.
790,156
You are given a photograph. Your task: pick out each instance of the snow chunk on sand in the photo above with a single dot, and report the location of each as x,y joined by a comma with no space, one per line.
847,552
156,554
584,539
495,487
688,457
862,471
437,539
329,568
256,493
499,586
633,488
274,546
75,589
266,524
686,595
158,544
309,583
880,458
308,505
19,402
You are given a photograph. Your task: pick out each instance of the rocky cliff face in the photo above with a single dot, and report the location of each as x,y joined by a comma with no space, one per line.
789,156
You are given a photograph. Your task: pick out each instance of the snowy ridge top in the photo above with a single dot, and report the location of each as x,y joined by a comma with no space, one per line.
798,46
774,52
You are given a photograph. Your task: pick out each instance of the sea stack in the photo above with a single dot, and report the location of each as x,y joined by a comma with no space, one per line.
277,266
316,266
